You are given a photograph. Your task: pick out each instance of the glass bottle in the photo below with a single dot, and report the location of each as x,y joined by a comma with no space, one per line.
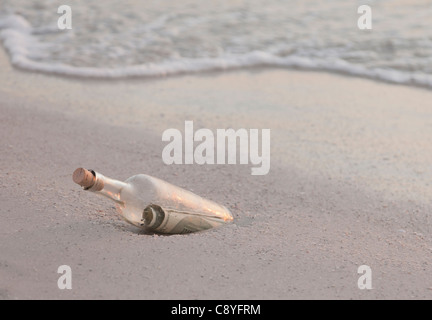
154,204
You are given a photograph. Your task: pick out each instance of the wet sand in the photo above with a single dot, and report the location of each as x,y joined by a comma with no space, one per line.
349,185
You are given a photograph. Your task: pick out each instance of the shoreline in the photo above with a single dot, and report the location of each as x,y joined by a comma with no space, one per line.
335,197
211,73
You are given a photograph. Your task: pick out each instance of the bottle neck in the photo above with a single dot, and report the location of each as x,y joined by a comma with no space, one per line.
107,187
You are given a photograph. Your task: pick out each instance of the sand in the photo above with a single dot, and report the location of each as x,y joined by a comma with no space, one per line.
349,185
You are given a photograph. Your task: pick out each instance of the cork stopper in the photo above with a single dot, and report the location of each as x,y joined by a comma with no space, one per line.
84,178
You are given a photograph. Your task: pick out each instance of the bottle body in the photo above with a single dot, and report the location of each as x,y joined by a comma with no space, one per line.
151,203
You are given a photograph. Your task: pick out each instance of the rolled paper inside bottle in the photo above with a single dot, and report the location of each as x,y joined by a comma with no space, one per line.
170,220
153,216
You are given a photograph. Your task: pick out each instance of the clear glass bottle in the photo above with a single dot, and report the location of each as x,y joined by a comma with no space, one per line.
148,202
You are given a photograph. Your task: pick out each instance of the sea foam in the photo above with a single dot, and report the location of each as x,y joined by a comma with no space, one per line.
29,49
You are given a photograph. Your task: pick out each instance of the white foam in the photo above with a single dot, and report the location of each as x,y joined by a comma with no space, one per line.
26,51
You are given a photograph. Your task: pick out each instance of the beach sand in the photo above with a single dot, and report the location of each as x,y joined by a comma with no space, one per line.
349,185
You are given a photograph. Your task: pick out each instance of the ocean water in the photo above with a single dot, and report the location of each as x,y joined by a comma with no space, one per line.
111,39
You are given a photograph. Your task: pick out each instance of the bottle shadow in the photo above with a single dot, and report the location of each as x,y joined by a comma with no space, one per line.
141,231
